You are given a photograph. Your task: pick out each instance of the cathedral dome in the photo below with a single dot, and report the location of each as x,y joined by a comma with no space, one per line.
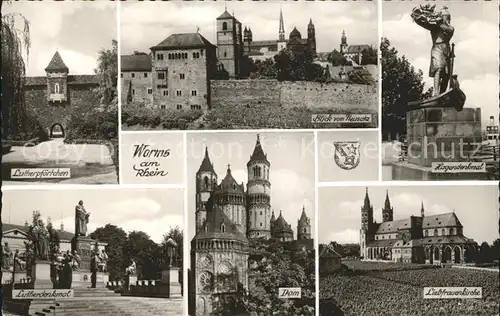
229,184
295,33
281,224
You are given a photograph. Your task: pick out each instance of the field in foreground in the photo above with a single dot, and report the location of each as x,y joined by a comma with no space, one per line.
380,289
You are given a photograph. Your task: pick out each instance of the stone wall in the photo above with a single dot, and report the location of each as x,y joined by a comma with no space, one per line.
141,84
52,113
294,94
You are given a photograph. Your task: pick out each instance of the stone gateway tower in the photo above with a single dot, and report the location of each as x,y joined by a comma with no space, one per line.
57,80
259,194
229,43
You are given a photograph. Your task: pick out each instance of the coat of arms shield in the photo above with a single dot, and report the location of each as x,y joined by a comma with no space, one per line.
347,154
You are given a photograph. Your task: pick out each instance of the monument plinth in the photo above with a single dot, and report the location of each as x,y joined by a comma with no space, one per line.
170,281
41,275
442,134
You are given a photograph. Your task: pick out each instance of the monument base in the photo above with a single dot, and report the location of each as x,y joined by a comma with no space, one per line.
83,279
411,172
83,246
41,275
170,279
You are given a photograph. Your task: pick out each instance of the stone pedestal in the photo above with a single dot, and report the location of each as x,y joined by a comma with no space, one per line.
442,134
41,275
170,278
131,279
83,246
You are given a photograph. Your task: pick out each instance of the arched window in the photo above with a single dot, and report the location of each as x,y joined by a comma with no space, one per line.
56,88
205,180
304,230
225,54
426,233
451,231
224,26
436,232
222,228
443,232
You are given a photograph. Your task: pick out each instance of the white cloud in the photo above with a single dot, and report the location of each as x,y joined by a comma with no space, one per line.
482,91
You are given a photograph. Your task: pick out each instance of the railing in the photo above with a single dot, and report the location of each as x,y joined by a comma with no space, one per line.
141,288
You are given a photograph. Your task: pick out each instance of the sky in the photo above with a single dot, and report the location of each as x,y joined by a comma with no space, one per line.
153,211
291,156
476,47
145,24
339,208
368,167
77,29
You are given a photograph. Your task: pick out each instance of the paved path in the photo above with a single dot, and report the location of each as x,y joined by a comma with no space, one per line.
56,151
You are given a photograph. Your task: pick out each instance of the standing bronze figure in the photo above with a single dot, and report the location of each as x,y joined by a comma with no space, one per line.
438,23
81,220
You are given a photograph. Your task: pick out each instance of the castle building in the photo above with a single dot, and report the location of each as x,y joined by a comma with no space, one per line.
228,216
431,239
175,75
265,49
52,96
352,52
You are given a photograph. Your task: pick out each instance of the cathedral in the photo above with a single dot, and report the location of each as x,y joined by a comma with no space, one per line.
431,239
228,215
233,43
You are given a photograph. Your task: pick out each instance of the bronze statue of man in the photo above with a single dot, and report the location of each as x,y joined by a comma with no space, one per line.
81,220
438,23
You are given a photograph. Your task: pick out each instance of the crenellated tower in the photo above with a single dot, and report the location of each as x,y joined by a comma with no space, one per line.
311,38
366,233
304,226
206,182
259,194
387,211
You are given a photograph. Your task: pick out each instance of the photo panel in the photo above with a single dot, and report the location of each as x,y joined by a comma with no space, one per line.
152,158
249,65
408,250
251,202
348,156
440,93
59,93
98,249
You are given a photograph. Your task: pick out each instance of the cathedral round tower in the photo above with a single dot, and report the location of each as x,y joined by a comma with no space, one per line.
206,182
259,194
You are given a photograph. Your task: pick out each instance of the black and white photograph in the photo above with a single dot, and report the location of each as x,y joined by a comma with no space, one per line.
59,92
440,90
391,250
95,245
251,202
249,65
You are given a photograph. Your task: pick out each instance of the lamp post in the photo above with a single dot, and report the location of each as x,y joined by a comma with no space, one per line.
171,246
